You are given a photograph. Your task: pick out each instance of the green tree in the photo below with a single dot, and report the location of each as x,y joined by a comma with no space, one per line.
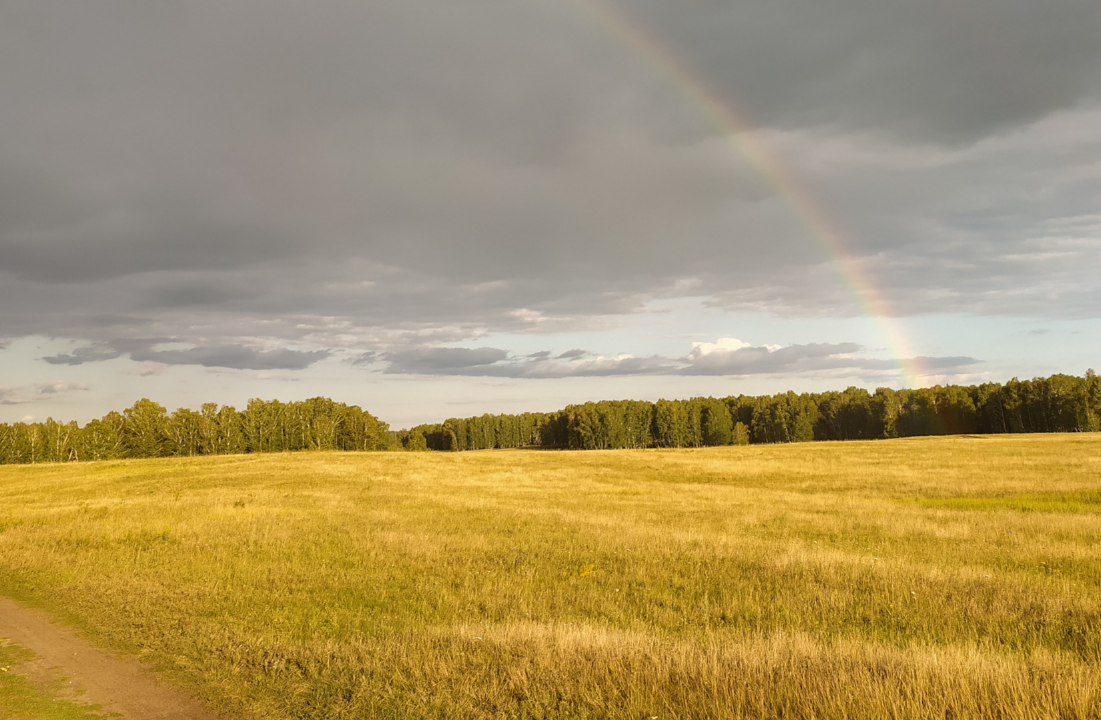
716,423
185,433
955,409
415,441
144,430
60,441
99,440
670,424
693,411
803,411
449,435
1091,402
886,410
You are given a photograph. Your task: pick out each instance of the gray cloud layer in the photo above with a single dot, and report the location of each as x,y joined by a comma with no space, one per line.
443,361
233,356
740,360
757,360
392,174
238,357
34,393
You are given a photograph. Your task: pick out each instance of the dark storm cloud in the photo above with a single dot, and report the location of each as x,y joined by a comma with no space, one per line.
245,174
107,247
945,71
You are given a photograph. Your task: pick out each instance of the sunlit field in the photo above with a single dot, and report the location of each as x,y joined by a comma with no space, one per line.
934,577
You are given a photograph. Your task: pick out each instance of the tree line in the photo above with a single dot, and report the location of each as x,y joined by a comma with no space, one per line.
1060,403
147,430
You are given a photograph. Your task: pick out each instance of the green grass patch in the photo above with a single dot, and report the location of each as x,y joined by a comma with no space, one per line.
22,700
1050,502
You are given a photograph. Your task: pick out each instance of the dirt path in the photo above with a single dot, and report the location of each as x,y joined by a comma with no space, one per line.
119,685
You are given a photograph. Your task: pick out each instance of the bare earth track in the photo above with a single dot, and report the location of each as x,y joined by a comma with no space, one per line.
122,687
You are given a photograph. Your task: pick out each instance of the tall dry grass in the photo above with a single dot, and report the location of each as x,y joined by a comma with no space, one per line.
947,577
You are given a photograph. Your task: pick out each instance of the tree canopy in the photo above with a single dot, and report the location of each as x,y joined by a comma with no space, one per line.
1059,403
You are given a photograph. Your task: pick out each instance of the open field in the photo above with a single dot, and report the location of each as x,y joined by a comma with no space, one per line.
926,577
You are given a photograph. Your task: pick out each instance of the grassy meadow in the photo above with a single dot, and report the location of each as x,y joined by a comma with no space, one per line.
953,577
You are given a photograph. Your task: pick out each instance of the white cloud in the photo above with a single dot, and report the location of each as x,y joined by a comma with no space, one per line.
700,349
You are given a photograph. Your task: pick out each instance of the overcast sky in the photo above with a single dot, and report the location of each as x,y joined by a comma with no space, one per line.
440,208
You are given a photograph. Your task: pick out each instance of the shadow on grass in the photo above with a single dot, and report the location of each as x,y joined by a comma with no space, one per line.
1065,502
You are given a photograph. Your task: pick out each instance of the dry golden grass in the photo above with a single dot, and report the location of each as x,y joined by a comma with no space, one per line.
940,577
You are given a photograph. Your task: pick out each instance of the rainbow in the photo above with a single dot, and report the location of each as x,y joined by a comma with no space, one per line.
753,148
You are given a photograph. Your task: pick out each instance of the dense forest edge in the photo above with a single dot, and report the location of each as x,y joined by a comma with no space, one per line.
1060,403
